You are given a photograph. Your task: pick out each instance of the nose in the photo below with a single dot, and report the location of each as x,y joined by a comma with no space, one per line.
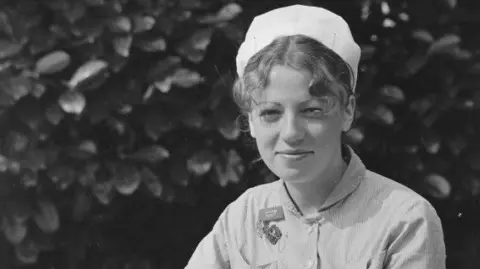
293,130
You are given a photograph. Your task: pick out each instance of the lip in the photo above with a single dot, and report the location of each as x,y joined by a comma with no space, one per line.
294,154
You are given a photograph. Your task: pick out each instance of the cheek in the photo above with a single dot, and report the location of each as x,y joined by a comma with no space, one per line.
265,138
327,131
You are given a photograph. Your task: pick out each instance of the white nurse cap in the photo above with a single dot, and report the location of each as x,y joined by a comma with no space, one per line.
318,23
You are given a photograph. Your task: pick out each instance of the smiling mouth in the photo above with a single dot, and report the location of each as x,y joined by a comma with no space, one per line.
294,155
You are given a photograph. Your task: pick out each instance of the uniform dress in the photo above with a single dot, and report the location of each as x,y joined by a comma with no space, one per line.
368,221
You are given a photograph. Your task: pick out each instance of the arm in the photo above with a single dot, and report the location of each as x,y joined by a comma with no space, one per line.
417,240
212,251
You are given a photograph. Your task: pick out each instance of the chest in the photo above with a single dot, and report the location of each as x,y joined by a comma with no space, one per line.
320,243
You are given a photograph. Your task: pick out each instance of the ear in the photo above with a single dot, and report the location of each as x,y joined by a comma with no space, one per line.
349,113
251,125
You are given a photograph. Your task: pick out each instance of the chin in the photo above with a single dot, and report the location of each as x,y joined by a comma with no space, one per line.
291,174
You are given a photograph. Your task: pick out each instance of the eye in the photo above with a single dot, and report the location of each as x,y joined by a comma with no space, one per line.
270,115
314,111
322,106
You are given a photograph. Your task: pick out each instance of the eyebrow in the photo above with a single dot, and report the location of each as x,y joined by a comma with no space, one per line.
278,103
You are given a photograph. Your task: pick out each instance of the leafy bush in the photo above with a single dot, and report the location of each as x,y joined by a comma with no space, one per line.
120,142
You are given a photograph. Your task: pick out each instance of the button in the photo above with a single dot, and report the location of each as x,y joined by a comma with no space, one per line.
310,263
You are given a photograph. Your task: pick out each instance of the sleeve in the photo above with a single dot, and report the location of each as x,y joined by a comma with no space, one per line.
417,240
212,251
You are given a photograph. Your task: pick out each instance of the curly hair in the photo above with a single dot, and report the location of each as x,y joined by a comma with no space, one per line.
331,74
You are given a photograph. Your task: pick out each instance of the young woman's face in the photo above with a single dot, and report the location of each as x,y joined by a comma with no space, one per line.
297,134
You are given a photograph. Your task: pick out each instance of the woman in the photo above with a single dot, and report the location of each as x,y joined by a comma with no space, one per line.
297,73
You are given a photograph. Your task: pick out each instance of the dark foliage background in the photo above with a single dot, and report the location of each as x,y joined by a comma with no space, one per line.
119,140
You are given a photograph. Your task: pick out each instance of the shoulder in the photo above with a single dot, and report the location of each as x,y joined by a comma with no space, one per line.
252,200
396,199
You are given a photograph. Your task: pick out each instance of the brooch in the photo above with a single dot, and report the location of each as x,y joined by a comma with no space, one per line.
272,232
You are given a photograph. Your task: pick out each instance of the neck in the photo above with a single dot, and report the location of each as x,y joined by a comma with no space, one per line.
310,195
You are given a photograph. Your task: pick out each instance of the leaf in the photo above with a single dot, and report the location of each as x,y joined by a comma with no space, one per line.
226,13
423,35
193,51
355,136
15,143
186,78
193,120
474,69
473,160
37,159
368,51
413,65
451,3
461,54
421,106
384,115
230,171
121,24
54,114
27,252
178,172
194,47
457,144
18,87
29,178
41,40
86,177
52,63
47,217
230,129
9,49
95,2
43,241
163,68
72,102
30,112
87,71
38,90
155,45
127,178
122,45
152,182
142,23
81,205
14,232
6,100
19,208
444,44
151,154
156,125
432,143
200,162
392,94
63,176
473,185
229,11
163,86
104,191
74,11
86,149
438,186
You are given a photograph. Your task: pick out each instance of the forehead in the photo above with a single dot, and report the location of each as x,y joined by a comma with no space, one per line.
285,83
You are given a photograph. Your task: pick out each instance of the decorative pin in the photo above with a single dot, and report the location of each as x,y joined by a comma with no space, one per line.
265,216
273,234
